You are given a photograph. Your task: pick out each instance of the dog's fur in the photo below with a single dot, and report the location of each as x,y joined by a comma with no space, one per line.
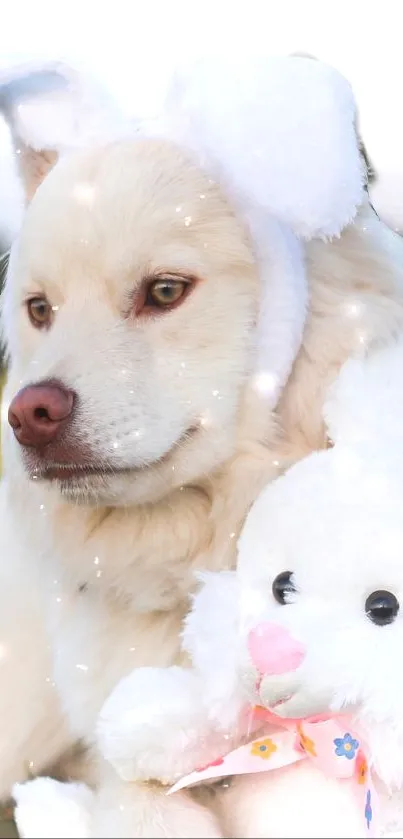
96,574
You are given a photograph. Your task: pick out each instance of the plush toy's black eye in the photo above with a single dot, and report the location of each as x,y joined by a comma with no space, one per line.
382,607
282,585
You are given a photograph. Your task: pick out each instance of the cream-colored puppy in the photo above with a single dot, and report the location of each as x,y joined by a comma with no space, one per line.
136,440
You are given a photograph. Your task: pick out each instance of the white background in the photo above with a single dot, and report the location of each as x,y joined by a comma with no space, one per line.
130,44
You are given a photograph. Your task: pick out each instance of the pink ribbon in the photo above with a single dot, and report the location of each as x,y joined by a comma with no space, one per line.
328,742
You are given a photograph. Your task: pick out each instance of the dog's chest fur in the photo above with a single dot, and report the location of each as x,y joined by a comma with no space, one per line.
95,643
96,634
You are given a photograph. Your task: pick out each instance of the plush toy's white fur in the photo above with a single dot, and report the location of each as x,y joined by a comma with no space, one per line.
284,150
335,521
277,132
55,106
48,808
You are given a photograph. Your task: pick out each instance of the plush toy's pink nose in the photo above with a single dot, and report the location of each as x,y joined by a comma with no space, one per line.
273,650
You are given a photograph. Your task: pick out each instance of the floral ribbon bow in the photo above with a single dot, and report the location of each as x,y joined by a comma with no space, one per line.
327,741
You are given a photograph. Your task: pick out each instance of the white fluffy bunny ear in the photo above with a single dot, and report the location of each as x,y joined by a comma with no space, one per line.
365,404
277,132
51,109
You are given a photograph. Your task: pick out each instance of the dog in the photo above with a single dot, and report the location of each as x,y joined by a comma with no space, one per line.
135,440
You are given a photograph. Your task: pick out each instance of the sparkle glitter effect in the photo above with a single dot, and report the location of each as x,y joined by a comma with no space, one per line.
84,194
206,421
353,309
265,383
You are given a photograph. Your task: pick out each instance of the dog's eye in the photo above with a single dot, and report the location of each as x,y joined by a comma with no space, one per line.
161,293
382,607
165,293
39,312
282,585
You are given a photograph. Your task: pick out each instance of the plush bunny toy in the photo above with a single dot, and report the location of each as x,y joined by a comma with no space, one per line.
305,639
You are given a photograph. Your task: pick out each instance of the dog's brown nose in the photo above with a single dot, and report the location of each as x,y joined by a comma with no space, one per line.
38,413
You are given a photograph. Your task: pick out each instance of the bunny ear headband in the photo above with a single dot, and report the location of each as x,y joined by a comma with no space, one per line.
278,134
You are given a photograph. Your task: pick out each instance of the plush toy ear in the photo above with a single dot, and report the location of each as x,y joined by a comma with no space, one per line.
365,404
277,132
51,109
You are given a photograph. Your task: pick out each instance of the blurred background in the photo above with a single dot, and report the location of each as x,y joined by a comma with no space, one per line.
132,45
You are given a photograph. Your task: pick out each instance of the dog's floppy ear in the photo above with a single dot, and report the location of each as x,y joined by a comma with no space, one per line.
50,110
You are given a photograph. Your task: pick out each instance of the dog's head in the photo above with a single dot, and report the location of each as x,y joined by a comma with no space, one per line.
133,297
128,314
